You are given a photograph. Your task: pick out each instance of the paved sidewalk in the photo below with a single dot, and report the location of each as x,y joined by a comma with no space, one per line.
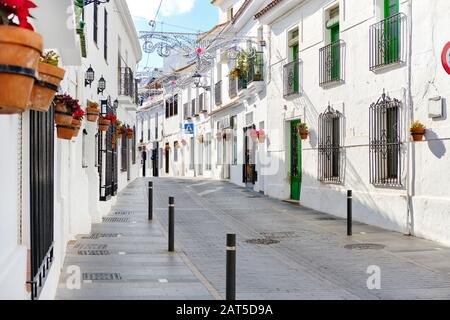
284,251
126,257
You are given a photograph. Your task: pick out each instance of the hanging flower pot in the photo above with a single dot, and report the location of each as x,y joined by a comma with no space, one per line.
303,131
92,111
103,124
261,136
200,139
167,147
417,131
65,132
219,136
130,133
20,50
65,106
49,78
77,118
178,145
184,142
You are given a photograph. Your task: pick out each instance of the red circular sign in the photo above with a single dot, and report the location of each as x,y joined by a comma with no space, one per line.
446,58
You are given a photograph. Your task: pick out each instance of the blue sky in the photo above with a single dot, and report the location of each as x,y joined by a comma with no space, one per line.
174,16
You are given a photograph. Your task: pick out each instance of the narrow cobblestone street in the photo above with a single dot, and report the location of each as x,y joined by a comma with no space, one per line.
284,251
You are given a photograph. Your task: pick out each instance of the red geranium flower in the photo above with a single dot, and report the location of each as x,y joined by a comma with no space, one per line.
79,114
19,9
111,118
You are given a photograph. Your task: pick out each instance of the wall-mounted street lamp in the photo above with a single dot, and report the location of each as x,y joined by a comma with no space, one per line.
89,77
101,85
116,104
197,77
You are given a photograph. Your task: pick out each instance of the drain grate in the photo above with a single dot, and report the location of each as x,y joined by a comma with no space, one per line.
123,213
94,236
90,246
365,246
93,252
265,241
102,276
115,219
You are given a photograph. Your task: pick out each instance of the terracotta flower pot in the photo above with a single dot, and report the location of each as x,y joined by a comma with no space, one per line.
77,124
261,138
20,50
417,134
130,135
46,87
92,114
304,134
103,124
65,132
63,116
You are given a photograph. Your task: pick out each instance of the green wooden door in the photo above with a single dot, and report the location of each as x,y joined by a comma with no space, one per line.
335,53
296,161
392,31
296,68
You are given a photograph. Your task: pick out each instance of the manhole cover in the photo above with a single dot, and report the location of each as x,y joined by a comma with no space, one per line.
279,235
326,219
365,246
115,219
94,236
102,276
265,241
93,252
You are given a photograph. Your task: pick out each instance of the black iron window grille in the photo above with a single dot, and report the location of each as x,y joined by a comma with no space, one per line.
126,81
256,67
41,197
107,157
331,59
242,83
218,93
385,142
201,102
105,35
194,108
331,165
95,29
133,151
388,42
232,87
291,78
187,115
124,153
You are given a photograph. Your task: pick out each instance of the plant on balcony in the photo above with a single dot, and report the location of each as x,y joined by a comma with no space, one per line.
303,131
65,106
261,136
417,130
243,62
92,111
105,121
130,133
77,118
20,49
49,78
235,73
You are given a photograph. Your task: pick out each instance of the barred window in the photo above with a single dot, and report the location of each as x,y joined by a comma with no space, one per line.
331,151
385,143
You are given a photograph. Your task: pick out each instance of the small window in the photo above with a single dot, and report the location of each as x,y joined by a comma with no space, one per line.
385,142
330,148
105,43
95,29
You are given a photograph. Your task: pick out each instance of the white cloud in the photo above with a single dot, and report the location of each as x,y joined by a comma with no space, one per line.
147,8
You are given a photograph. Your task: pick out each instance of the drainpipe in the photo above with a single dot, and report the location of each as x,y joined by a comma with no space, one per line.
410,116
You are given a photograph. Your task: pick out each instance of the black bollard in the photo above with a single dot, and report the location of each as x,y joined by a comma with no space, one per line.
349,213
231,267
171,224
150,200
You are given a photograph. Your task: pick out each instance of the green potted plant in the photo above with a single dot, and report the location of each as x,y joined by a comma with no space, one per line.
303,131
20,49
49,79
417,130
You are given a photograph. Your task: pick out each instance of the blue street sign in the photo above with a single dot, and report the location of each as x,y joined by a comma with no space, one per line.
189,128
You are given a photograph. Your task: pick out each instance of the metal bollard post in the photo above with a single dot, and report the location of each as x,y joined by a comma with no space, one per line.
231,267
349,213
171,224
150,200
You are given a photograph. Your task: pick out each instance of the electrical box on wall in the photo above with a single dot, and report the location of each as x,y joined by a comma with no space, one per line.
436,107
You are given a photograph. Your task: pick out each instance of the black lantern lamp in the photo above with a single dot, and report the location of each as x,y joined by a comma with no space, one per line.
87,2
101,85
89,77
116,104
197,78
